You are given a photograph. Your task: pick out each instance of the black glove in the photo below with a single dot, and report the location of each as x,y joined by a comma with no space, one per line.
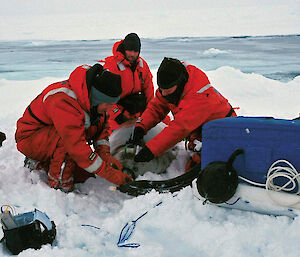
145,155
121,118
138,135
2,138
134,103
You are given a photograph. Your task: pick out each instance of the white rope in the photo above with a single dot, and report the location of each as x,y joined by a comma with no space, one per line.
252,182
289,173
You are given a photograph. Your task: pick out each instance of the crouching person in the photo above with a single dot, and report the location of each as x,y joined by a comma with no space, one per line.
61,123
186,91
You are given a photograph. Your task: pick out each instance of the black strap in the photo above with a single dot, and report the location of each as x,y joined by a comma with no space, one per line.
102,125
141,78
33,116
121,118
99,128
234,155
230,112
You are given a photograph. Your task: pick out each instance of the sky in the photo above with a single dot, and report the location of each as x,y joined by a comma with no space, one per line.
98,19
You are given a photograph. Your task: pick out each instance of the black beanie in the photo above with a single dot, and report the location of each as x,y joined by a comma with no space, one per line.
132,42
171,72
103,81
108,83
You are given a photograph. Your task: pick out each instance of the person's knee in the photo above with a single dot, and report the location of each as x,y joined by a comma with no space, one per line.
40,145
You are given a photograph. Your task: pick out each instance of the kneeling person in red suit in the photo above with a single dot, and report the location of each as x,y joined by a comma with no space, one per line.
59,126
186,91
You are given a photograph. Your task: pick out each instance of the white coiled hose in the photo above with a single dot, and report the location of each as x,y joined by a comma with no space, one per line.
289,173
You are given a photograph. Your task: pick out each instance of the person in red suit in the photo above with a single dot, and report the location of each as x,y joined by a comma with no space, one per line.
59,126
137,85
186,91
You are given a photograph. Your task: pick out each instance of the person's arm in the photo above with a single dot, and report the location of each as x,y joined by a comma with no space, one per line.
148,87
155,112
68,119
102,145
111,64
193,112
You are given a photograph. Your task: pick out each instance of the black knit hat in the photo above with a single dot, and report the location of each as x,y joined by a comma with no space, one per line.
132,42
171,72
105,82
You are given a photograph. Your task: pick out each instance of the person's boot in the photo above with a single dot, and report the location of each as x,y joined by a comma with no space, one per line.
36,165
63,179
30,163
2,138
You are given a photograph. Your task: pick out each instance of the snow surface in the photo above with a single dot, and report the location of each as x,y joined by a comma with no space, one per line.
181,226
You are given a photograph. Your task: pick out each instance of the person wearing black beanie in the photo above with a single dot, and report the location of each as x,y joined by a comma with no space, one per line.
131,43
171,72
58,127
137,85
186,91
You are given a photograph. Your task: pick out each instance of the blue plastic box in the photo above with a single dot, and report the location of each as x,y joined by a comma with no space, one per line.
264,140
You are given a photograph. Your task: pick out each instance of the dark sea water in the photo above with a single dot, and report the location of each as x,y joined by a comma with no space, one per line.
275,57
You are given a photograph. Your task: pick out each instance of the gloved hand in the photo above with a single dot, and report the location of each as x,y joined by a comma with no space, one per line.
194,159
112,161
138,135
145,155
113,175
104,153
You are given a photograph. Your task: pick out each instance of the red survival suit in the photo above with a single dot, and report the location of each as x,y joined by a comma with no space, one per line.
133,82
199,103
56,127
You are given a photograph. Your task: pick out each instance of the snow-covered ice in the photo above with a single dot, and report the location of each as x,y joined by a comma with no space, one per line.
181,226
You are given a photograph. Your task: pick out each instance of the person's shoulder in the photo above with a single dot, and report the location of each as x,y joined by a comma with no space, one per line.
110,59
196,75
143,63
111,63
142,59
193,69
